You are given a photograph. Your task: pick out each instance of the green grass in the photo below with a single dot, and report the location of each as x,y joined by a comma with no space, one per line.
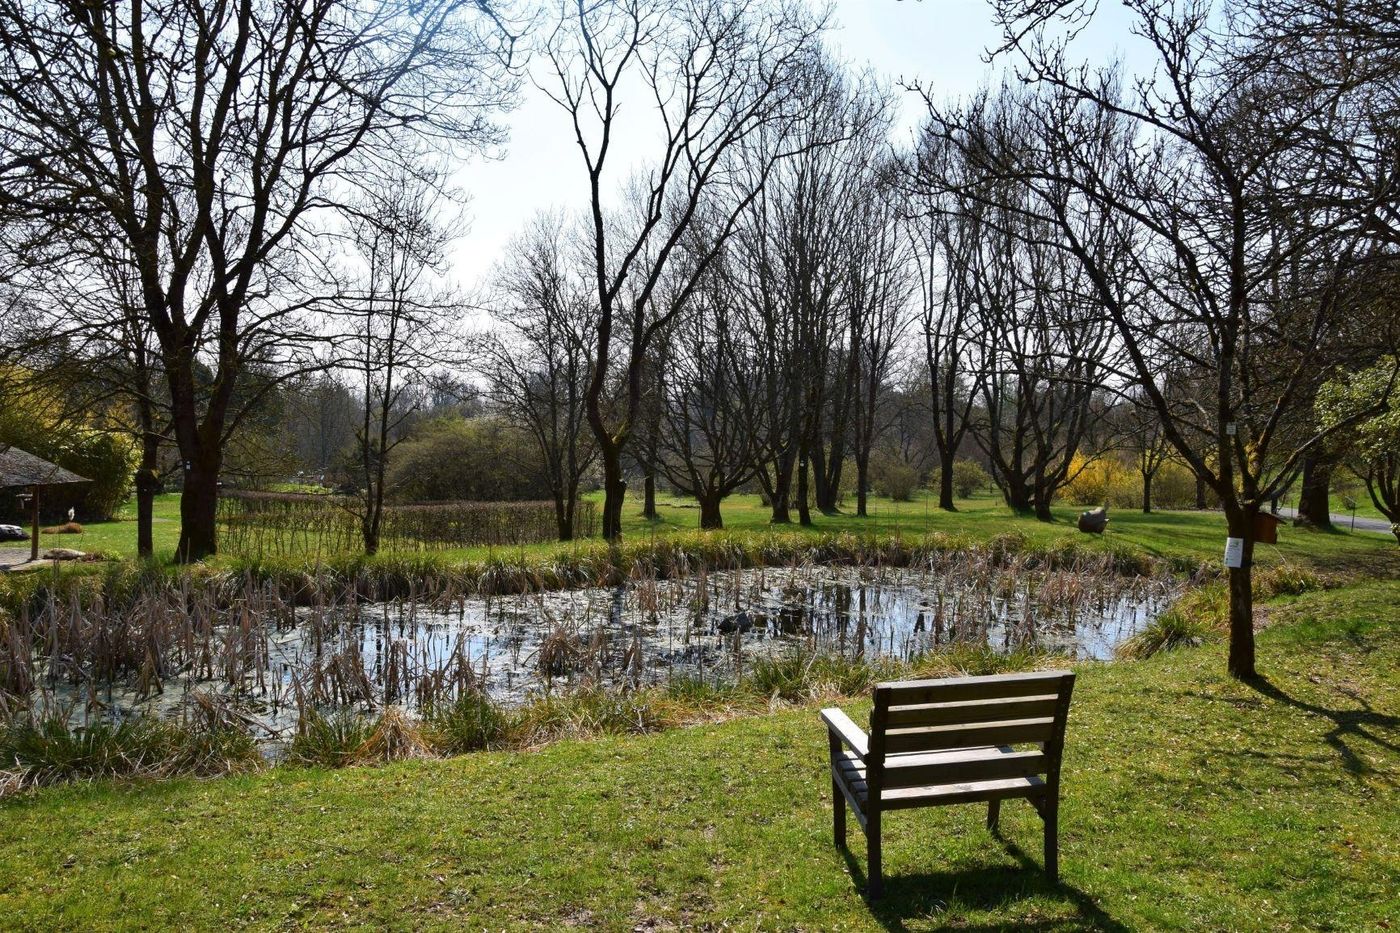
1365,508
1191,801
1196,536
118,537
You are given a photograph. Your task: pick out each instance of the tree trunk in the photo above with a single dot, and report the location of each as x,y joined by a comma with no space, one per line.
1201,493
709,511
34,523
822,494
1147,494
145,514
804,512
862,477
564,516
649,496
147,485
199,503
945,481
1017,494
1042,509
1241,656
614,490
780,496
1314,506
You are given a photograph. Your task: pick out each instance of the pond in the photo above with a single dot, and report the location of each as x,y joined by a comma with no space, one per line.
269,660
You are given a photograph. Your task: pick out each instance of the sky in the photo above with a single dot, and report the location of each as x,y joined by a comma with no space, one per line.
939,43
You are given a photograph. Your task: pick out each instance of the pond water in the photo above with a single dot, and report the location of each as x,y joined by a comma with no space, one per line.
268,664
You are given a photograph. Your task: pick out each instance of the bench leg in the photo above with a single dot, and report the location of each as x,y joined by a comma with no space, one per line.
875,877
1051,814
993,814
838,814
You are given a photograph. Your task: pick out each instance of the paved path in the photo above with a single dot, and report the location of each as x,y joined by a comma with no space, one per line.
1344,521
13,556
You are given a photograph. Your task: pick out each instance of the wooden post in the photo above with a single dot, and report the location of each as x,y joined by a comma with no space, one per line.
34,517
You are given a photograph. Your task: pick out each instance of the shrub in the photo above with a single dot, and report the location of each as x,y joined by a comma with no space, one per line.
1107,480
895,478
969,478
479,459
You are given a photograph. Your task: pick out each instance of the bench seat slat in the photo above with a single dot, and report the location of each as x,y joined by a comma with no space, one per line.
953,767
852,783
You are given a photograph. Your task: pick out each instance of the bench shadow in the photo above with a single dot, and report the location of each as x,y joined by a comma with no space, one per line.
1353,724
918,895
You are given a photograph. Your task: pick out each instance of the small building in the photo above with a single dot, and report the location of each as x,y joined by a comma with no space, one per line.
20,469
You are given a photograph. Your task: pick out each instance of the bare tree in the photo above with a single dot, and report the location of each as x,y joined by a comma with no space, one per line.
945,229
715,72
1214,180
709,442
541,368
400,321
793,274
212,138
879,290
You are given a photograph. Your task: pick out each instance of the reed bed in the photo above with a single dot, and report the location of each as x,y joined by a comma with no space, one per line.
205,652
266,524
43,748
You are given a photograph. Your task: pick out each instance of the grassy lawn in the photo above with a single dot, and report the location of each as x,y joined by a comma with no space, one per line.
1365,508
118,537
1199,535
1191,802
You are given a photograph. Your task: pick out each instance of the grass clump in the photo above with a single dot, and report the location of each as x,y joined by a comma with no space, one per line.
43,749
802,676
329,741
396,736
67,528
472,724
1288,580
1199,616
589,712
1169,631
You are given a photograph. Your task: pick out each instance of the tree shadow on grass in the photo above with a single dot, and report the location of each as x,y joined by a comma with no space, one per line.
1347,724
922,895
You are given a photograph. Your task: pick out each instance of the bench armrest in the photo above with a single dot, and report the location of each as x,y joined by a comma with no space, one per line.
848,732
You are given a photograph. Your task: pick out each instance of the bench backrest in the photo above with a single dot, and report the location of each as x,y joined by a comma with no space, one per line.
973,715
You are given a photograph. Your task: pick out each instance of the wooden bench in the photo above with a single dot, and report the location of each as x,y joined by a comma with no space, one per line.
953,740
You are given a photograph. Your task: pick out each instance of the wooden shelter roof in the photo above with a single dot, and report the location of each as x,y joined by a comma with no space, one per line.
21,468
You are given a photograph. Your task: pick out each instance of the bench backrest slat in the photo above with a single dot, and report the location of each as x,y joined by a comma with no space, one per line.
972,712
955,689
993,710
